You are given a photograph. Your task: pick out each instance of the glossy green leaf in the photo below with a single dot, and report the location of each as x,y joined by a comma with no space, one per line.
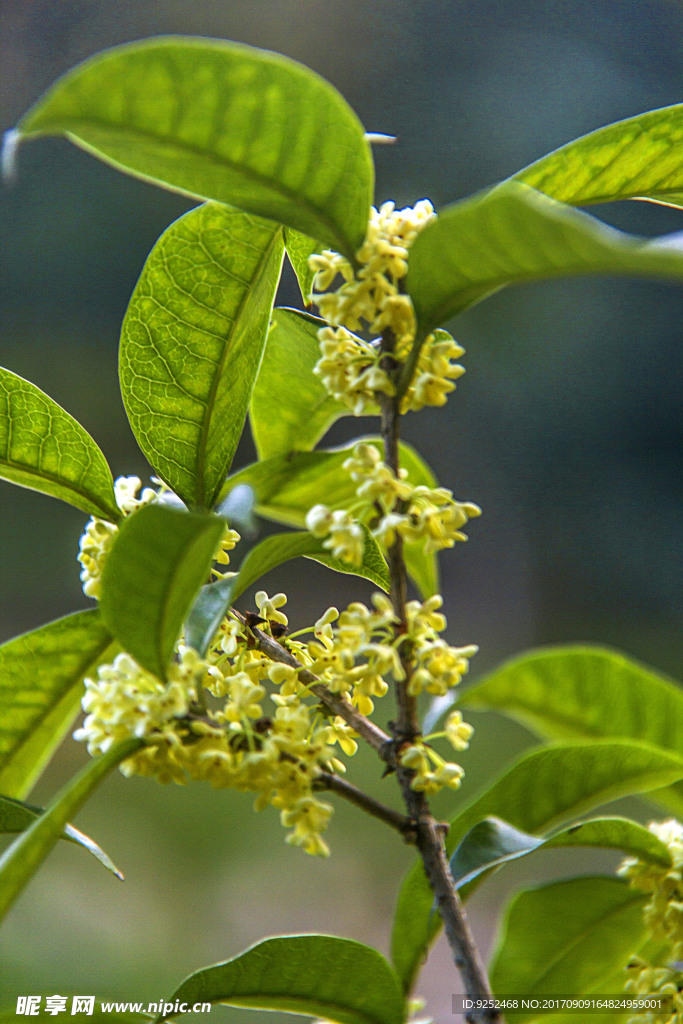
22,859
290,408
586,693
567,937
16,816
512,235
544,787
299,247
493,842
640,157
44,448
157,563
41,676
192,341
286,487
215,598
316,975
219,120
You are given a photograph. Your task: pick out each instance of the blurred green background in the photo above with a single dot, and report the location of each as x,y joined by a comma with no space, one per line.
564,430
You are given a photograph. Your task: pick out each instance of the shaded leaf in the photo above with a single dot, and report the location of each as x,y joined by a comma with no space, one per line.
22,859
44,448
192,341
290,408
586,693
16,816
156,565
542,788
41,676
565,938
219,120
639,157
493,842
299,247
513,234
316,975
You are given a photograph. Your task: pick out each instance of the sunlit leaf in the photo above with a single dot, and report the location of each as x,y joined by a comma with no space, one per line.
290,408
316,975
159,560
565,938
219,120
512,235
299,247
586,693
639,157
192,341
16,816
21,860
41,676
44,448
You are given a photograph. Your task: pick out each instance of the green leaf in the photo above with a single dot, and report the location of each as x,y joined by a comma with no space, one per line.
16,816
192,342
637,158
542,788
22,859
290,408
565,938
44,448
512,235
299,247
156,565
287,486
40,692
586,693
316,975
219,120
215,598
493,842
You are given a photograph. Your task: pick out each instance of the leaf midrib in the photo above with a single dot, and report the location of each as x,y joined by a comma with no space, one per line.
67,485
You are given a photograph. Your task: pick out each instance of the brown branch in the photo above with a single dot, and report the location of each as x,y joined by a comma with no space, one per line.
328,780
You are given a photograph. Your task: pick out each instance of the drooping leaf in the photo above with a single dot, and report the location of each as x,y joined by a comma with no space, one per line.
541,789
215,598
290,408
157,563
40,692
22,859
287,486
493,842
222,121
586,693
192,341
316,975
639,157
513,234
44,448
16,816
299,247
566,938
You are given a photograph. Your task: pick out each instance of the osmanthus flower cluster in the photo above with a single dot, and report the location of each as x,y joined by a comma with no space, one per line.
663,915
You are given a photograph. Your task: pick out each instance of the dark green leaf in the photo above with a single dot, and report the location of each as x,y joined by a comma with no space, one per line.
40,692
586,693
299,247
566,938
158,562
639,157
221,121
44,448
542,788
316,975
22,859
290,408
192,342
286,487
513,234
493,842
16,816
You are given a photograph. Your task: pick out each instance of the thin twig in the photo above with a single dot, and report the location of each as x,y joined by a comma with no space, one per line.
403,824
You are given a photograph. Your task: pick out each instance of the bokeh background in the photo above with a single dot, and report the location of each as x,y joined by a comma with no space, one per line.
565,430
